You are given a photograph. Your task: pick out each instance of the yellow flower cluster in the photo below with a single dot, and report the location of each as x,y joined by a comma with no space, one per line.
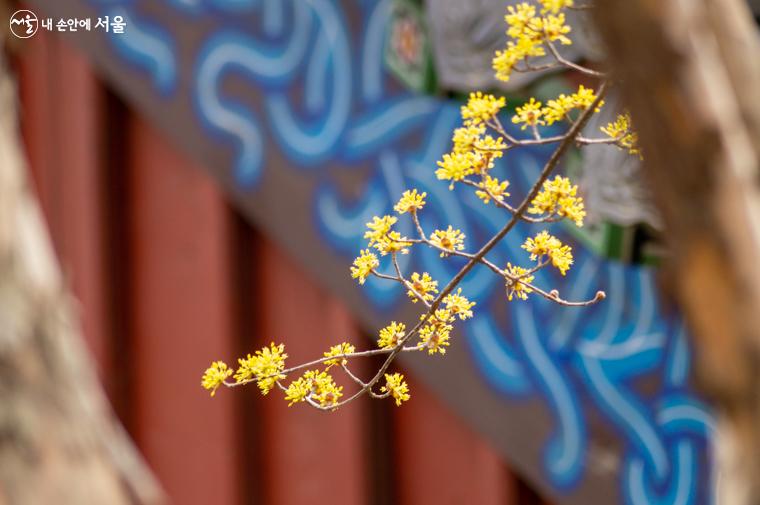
382,238
363,265
517,287
411,202
264,367
397,387
529,31
543,244
558,198
491,187
422,286
481,108
560,108
529,114
458,305
316,386
450,240
622,131
338,350
391,335
215,375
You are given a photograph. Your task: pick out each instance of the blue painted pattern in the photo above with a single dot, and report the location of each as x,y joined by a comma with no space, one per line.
576,361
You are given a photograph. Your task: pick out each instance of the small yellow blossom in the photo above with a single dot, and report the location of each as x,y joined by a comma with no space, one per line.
558,197
392,242
466,137
363,265
519,18
391,335
436,337
450,239
553,27
338,350
481,108
491,187
422,286
517,287
264,367
378,228
298,390
397,387
554,6
621,130
505,61
459,305
529,114
490,146
559,108
543,244
411,201
457,165
215,375
315,385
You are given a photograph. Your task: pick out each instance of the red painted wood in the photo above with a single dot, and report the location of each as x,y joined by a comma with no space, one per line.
309,456
80,135
440,461
61,105
181,320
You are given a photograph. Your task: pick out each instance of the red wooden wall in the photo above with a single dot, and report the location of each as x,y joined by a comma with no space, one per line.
170,277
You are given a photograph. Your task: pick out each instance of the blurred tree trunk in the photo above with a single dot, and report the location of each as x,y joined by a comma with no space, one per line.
59,441
690,71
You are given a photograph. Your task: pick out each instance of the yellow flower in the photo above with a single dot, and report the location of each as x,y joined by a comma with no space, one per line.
363,265
517,287
338,350
422,286
554,6
396,386
457,165
553,27
558,197
298,390
558,109
436,337
621,131
379,228
450,239
411,202
529,114
490,146
481,108
315,385
215,375
391,335
466,137
393,242
459,305
505,61
544,244
323,389
519,17
264,367
491,187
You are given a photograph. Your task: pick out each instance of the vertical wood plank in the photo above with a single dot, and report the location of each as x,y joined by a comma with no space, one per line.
181,321
63,130
310,456
79,129
441,462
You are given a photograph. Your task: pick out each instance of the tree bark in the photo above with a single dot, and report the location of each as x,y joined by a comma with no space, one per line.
59,440
690,72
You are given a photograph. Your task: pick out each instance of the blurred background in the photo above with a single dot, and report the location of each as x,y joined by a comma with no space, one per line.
205,177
